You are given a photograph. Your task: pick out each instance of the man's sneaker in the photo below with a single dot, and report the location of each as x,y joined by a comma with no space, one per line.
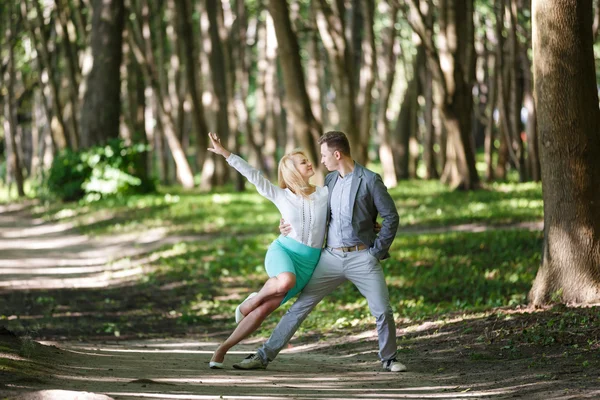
393,365
253,361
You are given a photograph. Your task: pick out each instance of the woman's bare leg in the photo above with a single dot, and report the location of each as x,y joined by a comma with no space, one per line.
247,326
276,286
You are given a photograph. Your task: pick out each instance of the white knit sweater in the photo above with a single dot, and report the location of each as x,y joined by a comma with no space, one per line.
306,216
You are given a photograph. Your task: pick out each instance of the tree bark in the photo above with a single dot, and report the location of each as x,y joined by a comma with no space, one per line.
306,128
332,27
314,76
566,100
71,60
596,25
453,62
140,38
386,73
242,70
490,106
102,100
427,87
13,158
219,68
366,83
264,129
406,124
136,86
60,133
533,158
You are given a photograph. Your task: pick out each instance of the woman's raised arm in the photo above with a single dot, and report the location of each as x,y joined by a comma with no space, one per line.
254,176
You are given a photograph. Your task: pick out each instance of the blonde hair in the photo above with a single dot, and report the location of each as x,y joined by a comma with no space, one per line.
288,175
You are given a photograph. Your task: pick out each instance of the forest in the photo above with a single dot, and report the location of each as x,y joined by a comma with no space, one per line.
426,89
481,116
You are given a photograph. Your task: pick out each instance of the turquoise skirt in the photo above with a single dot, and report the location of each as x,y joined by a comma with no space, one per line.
289,255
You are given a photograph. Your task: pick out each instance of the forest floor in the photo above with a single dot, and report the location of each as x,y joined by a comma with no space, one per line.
504,354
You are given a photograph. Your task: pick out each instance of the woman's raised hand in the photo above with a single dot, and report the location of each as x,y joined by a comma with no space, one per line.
217,147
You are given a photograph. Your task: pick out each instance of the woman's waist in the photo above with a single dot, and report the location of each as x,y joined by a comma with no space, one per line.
295,244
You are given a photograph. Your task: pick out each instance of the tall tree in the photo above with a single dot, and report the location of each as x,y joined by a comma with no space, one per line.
219,63
242,72
453,66
61,136
366,80
426,82
332,28
406,125
306,128
509,91
102,100
10,125
566,101
70,51
142,46
386,72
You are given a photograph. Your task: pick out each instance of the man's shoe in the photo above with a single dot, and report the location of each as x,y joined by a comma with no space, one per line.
253,361
238,314
393,365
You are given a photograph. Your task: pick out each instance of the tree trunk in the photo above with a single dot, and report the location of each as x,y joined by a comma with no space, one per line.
490,106
243,78
503,150
455,77
14,165
136,86
533,158
263,133
314,66
307,129
427,87
60,133
184,12
507,88
219,67
596,25
405,125
386,73
459,171
332,31
566,100
71,60
366,80
165,120
101,107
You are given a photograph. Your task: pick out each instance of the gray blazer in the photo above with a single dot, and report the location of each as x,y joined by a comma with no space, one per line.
369,197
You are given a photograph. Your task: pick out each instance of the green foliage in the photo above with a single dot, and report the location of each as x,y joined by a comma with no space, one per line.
113,169
67,175
433,270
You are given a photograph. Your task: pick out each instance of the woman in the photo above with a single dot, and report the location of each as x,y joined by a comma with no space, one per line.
290,260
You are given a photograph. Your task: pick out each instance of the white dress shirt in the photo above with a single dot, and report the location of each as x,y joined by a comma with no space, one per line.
306,216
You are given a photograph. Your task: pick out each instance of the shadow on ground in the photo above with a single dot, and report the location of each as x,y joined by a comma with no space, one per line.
64,302
463,358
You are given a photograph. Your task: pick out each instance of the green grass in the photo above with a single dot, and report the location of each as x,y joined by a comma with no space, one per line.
419,203
430,275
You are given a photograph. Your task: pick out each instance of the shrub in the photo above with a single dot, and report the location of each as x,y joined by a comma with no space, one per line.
100,171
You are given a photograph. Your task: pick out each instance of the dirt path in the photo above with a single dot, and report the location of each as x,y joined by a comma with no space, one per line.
440,356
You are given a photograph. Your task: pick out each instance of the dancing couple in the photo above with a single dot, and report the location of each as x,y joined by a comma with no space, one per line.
328,236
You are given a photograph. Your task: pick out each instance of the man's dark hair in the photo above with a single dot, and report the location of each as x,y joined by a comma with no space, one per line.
336,141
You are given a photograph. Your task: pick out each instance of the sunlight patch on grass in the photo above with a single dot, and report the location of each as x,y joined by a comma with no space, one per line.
427,275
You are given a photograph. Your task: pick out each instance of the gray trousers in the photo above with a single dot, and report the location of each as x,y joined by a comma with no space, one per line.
333,269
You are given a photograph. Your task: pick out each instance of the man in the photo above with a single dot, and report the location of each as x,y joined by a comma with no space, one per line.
353,251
